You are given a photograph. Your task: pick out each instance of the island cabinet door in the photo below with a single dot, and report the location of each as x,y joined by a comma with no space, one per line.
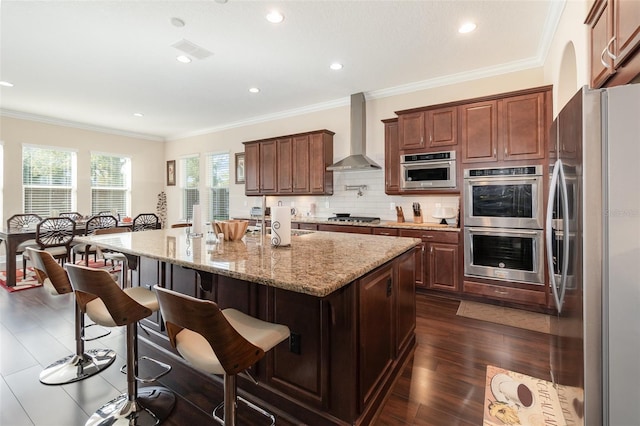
405,299
376,341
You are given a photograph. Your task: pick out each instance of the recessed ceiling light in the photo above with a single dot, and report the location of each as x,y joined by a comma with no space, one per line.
177,22
184,59
275,17
335,66
6,84
138,114
254,90
467,27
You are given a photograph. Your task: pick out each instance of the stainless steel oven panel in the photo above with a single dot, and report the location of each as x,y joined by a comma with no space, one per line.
536,221
533,276
448,167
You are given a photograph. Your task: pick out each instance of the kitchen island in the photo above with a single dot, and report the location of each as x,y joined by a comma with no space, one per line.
348,300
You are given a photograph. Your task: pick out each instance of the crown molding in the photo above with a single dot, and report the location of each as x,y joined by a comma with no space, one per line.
76,125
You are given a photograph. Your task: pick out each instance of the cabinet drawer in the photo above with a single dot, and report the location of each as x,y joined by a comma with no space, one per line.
499,292
393,232
432,236
308,226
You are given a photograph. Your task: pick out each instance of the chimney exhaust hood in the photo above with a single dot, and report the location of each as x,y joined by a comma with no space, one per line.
357,160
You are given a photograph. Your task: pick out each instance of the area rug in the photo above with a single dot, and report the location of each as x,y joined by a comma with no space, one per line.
506,316
513,398
30,281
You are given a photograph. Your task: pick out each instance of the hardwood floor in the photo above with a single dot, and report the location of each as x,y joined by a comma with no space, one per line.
442,383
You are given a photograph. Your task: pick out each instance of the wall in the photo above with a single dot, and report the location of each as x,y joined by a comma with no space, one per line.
571,35
373,202
147,161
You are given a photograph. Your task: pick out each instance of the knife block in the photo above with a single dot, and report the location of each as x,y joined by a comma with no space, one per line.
400,217
417,219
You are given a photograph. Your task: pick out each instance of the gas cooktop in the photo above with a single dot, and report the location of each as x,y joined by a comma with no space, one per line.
355,219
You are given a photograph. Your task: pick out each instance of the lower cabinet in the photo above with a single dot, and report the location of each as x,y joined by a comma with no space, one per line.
344,228
438,261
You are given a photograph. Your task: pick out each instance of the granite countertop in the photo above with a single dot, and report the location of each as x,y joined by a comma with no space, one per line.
382,224
316,263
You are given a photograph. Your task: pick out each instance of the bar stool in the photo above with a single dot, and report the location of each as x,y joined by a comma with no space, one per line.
83,363
218,342
100,296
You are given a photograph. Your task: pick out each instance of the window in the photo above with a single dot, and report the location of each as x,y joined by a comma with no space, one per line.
218,186
189,181
48,180
110,183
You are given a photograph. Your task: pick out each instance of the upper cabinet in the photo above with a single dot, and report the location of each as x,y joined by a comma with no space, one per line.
614,33
507,129
429,130
391,157
290,165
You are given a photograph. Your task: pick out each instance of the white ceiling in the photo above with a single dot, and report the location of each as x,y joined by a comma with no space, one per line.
98,62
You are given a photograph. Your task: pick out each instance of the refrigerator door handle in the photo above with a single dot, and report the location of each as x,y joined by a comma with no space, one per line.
553,186
564,194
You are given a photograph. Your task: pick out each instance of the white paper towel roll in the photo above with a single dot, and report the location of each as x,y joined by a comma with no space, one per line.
196,225
280,226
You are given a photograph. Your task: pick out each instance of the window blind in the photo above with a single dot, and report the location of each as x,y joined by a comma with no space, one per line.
110,183
48,180
218,186
189,181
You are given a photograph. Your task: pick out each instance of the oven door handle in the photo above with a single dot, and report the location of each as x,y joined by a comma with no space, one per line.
421,165
498,231
553,186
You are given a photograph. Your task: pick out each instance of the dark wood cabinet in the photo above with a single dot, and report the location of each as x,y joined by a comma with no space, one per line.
614,42
393,232
287,165
260,168
344,228
391,157
300,164
523,127
438,265
479,131
320,157
511,128
376,315
431,129
252,168
285,172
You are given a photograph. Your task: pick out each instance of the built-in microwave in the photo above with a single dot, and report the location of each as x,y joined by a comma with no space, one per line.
504,197
430,170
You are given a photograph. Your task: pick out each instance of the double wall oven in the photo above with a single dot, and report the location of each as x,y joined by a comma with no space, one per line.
504,220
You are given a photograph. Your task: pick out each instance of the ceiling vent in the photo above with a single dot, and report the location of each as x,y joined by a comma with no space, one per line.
192,49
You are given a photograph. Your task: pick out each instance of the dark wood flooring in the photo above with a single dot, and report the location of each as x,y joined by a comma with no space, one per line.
442,383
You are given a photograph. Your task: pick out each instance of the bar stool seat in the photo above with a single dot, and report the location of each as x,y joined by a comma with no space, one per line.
218,341
100,296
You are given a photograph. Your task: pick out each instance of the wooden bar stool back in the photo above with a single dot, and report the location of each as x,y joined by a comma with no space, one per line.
102,299
216,341
84,362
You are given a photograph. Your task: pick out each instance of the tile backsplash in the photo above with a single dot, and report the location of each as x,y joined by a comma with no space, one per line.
369,201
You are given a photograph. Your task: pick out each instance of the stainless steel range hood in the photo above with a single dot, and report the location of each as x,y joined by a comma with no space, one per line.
357,160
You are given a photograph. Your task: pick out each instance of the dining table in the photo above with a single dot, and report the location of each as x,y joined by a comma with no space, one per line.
13,237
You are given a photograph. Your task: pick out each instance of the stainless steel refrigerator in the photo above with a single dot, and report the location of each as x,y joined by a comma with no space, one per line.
593,256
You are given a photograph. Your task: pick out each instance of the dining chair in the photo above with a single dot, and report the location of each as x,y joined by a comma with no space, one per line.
92,224
19,222
145,221
55,235
75,216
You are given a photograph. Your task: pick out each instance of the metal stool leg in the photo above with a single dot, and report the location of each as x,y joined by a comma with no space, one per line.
149,406
82,364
